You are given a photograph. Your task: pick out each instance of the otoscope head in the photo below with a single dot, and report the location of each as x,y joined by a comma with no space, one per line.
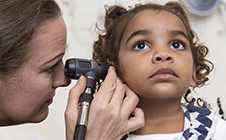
74,68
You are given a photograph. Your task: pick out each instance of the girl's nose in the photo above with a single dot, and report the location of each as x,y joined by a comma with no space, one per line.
162,55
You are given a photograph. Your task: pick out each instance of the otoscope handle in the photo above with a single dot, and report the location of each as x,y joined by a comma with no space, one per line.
84,103
80,131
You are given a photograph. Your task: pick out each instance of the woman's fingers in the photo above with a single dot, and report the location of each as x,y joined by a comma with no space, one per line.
130,102
119,94
128,107
109,110
137,121
72,110
108,87
75,93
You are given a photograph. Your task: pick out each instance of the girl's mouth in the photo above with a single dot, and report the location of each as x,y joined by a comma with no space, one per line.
164,73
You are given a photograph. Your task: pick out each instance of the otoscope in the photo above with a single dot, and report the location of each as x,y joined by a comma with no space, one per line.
93,71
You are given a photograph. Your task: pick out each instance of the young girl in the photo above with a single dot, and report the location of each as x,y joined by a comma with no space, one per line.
155,53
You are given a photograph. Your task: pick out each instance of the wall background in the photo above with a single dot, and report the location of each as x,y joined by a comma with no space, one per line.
80,17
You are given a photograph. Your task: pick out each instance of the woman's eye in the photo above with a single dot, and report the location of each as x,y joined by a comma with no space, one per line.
177,45
51,69
140,45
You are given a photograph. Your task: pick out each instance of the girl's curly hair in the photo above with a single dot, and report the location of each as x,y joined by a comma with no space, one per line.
106,48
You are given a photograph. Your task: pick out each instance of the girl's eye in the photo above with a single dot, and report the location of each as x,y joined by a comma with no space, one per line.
140,45
177,45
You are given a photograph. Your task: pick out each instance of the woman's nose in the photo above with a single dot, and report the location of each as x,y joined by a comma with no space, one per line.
60,80
65,82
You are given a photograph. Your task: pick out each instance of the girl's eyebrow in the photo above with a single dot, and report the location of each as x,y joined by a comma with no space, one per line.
178,32
145,32
139,32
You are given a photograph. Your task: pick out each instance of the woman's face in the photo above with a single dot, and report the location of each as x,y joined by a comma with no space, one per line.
26,97
155,58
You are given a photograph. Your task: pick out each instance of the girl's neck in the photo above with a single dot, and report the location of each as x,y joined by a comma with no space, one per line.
161,116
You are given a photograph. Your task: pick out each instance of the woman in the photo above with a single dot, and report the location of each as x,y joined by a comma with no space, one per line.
32,45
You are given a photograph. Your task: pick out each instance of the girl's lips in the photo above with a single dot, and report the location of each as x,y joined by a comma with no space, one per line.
164,73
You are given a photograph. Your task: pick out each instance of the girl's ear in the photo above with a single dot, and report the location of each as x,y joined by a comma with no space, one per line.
111,63
194,78
116,67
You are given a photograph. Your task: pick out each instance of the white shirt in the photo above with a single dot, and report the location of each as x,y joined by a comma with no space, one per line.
216,132
174,136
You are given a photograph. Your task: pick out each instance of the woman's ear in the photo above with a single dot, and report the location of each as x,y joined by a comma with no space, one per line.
194,78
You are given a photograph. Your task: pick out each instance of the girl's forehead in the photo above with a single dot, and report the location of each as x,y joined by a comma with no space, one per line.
156,16
154,19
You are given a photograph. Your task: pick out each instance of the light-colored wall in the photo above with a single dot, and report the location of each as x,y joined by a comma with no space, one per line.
80,17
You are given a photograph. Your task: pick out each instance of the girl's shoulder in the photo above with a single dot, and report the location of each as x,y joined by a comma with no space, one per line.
203,122
219,130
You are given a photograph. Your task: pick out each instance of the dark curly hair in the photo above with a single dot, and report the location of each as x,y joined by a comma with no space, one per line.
106,48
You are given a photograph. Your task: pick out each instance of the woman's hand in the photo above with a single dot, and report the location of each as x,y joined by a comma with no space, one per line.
72,110
109,111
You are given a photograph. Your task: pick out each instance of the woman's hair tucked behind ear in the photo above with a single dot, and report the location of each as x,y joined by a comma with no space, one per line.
107,47
19,20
